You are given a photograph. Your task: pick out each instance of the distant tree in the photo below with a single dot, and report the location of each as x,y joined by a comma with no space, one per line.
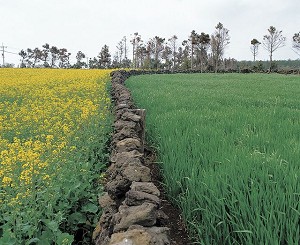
79,63
203,43
167,57
135,41
219,41
33,57
93,63
54,51
273,41
157,46
23,55
64,58
121,49
173,47
104,57
231,65
254,47
179,57
193,39
141,55
296,42
46,55
189,46
185,55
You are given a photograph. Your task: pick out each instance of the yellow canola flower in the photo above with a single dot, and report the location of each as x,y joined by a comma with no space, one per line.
41,113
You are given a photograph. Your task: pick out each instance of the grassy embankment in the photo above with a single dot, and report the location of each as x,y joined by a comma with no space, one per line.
230,152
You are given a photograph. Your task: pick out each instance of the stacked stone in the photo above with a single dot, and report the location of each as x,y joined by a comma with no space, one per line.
131,204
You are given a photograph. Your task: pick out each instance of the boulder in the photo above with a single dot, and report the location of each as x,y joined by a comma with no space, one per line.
147,187
144,215
135,198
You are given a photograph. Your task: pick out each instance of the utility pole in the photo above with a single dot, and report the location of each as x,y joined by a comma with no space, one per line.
3,47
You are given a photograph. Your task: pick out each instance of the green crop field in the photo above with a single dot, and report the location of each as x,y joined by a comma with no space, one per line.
229,150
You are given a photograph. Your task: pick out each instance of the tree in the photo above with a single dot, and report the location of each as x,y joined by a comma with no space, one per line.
296,42
254,47
45,54
24,56
273,41
219,41
33,57
203,42
104,57
93,63
54,51
173,47
156,46
193,38
166,57
79,56
64,58
135,41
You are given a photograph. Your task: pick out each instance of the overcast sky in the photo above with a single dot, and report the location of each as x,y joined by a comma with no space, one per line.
87,25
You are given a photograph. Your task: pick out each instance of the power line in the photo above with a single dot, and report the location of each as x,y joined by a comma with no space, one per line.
11,52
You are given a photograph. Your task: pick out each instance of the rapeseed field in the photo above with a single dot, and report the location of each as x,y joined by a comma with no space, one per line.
53,126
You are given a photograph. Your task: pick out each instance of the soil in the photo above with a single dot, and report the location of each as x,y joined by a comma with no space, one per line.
178,232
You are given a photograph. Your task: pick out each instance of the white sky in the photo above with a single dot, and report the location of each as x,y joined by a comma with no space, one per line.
87,25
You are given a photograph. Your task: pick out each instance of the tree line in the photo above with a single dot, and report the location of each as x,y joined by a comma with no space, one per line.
200,51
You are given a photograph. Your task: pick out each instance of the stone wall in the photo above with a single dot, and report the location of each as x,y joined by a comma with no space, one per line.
131,203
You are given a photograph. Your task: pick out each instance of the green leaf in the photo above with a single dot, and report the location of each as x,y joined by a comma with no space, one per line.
52,225
90,207
8,238
33,240
46,238
64,239
77,218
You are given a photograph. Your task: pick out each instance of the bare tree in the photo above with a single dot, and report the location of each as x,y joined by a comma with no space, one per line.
219,41
173,46
135,41
254,47
296,42
120,48
273,41
125,47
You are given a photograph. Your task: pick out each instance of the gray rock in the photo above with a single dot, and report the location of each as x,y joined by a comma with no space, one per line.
126,157
106,201
128,144
129,116
135,198
118,187
120,124
147,187
144,215
136,172
138,235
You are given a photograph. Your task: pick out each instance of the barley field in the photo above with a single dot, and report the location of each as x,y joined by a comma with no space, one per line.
229,151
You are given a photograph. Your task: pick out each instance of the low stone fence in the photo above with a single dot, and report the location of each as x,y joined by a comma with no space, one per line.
131,204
